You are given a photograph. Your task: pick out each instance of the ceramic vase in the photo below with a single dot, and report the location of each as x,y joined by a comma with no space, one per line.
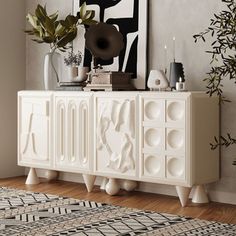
52,70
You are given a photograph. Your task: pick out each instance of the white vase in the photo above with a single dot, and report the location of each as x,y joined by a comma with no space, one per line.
157,80
52,70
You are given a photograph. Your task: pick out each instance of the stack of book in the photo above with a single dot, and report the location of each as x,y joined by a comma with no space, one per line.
71,86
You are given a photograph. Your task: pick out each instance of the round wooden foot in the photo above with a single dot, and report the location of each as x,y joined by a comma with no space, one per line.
112,187
128,185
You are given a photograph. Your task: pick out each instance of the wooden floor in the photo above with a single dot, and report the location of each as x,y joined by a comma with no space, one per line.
212,211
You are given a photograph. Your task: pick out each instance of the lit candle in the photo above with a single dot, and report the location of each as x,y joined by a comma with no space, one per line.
165,60
174,48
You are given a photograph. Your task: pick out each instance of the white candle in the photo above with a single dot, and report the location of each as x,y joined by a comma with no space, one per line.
174,48
165,60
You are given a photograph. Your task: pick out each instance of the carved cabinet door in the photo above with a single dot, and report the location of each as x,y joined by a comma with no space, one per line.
115,141
72,124
34,130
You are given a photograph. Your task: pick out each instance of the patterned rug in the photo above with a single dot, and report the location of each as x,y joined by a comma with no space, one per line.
27,213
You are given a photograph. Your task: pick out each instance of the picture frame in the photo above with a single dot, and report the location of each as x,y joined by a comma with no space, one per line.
130,17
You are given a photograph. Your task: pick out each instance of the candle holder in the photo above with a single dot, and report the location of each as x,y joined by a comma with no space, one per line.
176,71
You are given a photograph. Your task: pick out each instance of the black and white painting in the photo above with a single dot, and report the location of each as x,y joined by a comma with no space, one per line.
130,18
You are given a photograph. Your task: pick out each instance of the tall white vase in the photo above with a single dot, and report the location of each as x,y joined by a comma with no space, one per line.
52,70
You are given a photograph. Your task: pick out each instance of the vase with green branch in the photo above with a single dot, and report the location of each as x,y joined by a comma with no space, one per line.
58,34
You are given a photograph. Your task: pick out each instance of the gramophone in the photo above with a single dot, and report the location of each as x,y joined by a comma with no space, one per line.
105,42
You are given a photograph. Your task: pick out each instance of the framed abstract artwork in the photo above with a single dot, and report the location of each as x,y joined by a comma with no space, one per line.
130,17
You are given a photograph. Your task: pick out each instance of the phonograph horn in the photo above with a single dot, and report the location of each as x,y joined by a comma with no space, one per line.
104,41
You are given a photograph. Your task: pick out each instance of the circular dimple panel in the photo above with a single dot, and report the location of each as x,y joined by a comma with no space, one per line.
152,110
152,165
175,111
175,167
152,137
175,139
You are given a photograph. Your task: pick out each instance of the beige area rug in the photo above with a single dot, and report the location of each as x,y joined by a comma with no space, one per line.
28,213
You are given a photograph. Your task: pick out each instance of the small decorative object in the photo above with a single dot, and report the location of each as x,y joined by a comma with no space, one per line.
131,19
157,80
105,42
180,86
73,62
176,71
57,33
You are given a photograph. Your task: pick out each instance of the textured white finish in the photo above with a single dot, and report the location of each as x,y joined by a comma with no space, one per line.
199,195
183,193
72,126
34,130
115,128
116,135
32,177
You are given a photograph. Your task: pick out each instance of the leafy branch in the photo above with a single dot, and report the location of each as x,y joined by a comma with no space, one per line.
222,30
223,141
57,33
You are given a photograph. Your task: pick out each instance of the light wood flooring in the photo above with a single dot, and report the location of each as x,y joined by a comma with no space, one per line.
146,201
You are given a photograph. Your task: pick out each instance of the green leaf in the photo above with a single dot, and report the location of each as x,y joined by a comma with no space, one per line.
83,10
54,16
41,13
32,20
48,39
67,39
49,26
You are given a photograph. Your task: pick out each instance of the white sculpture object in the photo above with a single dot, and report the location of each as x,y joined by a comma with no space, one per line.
157,80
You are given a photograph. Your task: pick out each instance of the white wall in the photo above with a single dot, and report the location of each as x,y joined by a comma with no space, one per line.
168,18
12,77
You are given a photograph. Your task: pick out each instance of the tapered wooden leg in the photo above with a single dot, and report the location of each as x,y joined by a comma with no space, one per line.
89,182
183,193
112,187
104,183
32,177
200,195
51,175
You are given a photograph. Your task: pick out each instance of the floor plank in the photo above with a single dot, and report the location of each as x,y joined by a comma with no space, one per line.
213,211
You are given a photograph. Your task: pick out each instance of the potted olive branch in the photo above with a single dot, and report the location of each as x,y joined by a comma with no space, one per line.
222,30
57,33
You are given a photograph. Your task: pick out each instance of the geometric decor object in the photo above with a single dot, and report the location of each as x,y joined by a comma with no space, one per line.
28,213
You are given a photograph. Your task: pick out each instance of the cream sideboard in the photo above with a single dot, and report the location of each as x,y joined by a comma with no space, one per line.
156,137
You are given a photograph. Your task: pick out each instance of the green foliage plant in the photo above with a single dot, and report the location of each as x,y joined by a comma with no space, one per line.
222,30
57,33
